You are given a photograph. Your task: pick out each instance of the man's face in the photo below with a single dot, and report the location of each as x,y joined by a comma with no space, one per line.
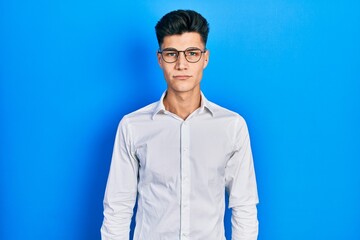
183,76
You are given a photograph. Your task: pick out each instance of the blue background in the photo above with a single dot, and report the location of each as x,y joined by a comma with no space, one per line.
70,70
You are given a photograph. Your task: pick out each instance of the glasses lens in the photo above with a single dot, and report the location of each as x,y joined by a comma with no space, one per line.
193,55
169,56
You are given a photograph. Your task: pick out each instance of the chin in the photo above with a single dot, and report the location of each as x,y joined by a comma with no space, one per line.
183,88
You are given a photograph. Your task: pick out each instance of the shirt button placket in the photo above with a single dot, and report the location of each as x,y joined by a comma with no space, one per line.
185,181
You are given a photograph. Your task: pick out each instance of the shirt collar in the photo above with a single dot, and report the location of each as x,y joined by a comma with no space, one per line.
159,107
205,105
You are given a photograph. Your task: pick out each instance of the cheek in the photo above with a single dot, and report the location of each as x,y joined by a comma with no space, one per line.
167,73
199,70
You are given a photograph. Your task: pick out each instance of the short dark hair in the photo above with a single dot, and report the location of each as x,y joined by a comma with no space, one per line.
179,22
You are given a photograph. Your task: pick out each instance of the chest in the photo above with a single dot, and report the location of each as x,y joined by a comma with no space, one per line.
199,149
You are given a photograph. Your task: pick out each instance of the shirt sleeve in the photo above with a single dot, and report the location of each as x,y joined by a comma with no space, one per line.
241,186
121,188
244,222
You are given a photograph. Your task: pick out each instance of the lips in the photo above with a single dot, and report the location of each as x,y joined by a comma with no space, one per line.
181,77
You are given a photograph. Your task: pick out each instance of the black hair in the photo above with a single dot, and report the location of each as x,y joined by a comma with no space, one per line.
179,22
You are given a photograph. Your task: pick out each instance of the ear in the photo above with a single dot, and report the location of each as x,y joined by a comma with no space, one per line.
160,61
206,58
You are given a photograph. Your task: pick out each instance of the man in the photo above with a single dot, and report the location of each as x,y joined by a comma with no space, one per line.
178,155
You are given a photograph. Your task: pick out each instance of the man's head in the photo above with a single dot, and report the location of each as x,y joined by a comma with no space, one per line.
179,22
182,54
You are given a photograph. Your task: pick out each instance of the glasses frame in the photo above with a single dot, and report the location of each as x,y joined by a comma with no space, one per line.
178,53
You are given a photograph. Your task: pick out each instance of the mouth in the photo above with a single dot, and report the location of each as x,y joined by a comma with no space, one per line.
181,77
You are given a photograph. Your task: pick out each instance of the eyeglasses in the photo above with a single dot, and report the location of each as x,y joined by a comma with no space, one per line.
171,55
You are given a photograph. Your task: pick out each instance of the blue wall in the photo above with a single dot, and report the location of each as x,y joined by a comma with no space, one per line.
69,70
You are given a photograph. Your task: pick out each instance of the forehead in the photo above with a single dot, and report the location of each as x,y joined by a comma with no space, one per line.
183,41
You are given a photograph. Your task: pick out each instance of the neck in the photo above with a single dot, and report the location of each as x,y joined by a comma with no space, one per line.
182,104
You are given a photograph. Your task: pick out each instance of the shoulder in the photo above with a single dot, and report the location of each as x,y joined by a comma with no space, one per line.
144,111
222,112
142,114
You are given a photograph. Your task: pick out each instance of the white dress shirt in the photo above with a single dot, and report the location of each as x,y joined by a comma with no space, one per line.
179,171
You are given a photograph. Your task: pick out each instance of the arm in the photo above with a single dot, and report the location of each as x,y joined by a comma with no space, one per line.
244,222
121,188
241,186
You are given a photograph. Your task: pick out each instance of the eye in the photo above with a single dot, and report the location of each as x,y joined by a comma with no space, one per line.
193,53
170,53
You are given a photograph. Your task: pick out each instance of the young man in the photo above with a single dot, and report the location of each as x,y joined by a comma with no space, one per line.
178,155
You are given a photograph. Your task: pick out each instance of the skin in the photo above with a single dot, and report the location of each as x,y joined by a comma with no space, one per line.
183,78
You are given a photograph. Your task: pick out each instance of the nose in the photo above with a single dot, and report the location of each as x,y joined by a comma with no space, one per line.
181,62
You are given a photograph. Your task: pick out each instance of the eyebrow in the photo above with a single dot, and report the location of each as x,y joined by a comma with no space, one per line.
169,49
174,49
